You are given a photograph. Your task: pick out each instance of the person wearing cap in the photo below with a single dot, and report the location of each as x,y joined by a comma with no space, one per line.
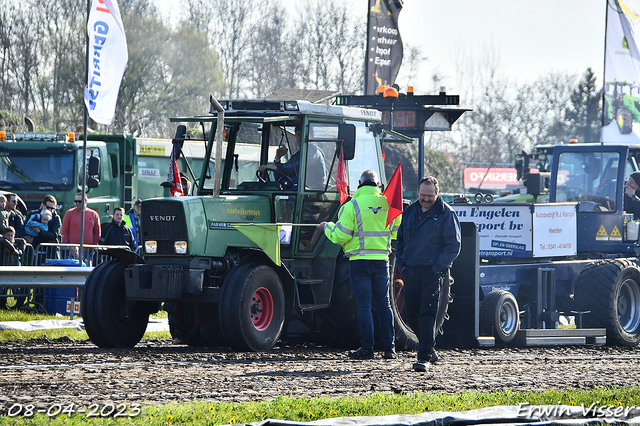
186,183
632,195
132,220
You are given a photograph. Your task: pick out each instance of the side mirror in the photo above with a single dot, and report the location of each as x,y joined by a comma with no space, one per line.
92,182
181,133
347,133
94,166
519,168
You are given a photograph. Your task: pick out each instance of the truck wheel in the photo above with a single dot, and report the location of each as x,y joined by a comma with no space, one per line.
499,313
195,324
110,319
625,120
610,289
252,308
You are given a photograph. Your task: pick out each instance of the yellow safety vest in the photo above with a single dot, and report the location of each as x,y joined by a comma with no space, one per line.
361,228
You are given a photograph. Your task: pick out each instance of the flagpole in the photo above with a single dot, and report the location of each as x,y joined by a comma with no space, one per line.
366,53
604,67
84,140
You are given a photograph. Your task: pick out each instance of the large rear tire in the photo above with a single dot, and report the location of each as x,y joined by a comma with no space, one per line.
13,297
339,322
110,319
610,290
625,120
499,315
252,308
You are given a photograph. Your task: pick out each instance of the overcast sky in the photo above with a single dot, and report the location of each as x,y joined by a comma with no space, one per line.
529,38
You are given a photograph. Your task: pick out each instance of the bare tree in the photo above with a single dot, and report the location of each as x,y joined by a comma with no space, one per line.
25,61
332,41
7,85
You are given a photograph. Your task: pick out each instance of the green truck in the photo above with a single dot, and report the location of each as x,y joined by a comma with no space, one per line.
120,168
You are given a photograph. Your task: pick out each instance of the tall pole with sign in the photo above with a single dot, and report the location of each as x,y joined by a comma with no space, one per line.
384,45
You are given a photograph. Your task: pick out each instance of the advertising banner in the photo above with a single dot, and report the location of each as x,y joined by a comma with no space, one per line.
503,230
493,178
555,230
538,230
384,45
108,57
621,116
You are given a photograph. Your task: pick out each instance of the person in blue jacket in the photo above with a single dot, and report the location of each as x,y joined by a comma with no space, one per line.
428,243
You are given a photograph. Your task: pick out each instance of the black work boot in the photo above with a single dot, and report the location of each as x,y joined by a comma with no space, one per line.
361,354
390,354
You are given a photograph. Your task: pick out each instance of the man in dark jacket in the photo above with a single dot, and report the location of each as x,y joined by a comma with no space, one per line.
632,195
428,243
117,233
14,216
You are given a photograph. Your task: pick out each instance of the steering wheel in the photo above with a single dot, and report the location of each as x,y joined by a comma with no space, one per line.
282,179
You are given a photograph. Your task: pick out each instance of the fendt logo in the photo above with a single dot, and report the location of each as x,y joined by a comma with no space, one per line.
162,218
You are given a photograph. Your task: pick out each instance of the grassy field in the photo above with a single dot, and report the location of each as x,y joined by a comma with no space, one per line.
299,409
13,315
294,409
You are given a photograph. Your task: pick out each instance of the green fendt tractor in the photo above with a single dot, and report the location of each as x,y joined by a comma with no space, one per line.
621,105
242,257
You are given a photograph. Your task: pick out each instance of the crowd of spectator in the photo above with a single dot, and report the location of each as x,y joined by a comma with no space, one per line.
21,234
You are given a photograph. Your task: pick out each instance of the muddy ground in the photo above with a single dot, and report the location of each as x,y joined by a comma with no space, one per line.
63,371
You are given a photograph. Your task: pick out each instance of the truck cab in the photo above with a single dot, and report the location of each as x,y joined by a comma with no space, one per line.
120,168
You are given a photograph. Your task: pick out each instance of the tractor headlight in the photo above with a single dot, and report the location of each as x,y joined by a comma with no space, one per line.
150,247
180,247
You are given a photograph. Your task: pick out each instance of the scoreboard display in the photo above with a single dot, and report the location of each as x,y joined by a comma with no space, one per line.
409,114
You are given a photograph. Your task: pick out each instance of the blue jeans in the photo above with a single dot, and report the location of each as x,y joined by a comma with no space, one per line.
370,285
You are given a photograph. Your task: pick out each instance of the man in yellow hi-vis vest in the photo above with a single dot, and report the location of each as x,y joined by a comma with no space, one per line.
362,232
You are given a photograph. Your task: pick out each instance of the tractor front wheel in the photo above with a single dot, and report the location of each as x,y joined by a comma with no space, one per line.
110,319
252,308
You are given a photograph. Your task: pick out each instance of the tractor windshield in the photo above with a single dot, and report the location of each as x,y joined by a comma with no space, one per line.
589,178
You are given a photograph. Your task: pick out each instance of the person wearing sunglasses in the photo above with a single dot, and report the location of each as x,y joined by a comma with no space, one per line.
14,217
71,224
50,204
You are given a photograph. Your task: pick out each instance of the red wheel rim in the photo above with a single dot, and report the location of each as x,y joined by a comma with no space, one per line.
261,309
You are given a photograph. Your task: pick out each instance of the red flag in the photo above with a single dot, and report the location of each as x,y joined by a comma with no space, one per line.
341,178
393,193
174,175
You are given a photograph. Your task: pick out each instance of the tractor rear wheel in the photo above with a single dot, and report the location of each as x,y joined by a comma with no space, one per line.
499,315
610,290
252,308
195,324
13,297
339,322
110,319
625,120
